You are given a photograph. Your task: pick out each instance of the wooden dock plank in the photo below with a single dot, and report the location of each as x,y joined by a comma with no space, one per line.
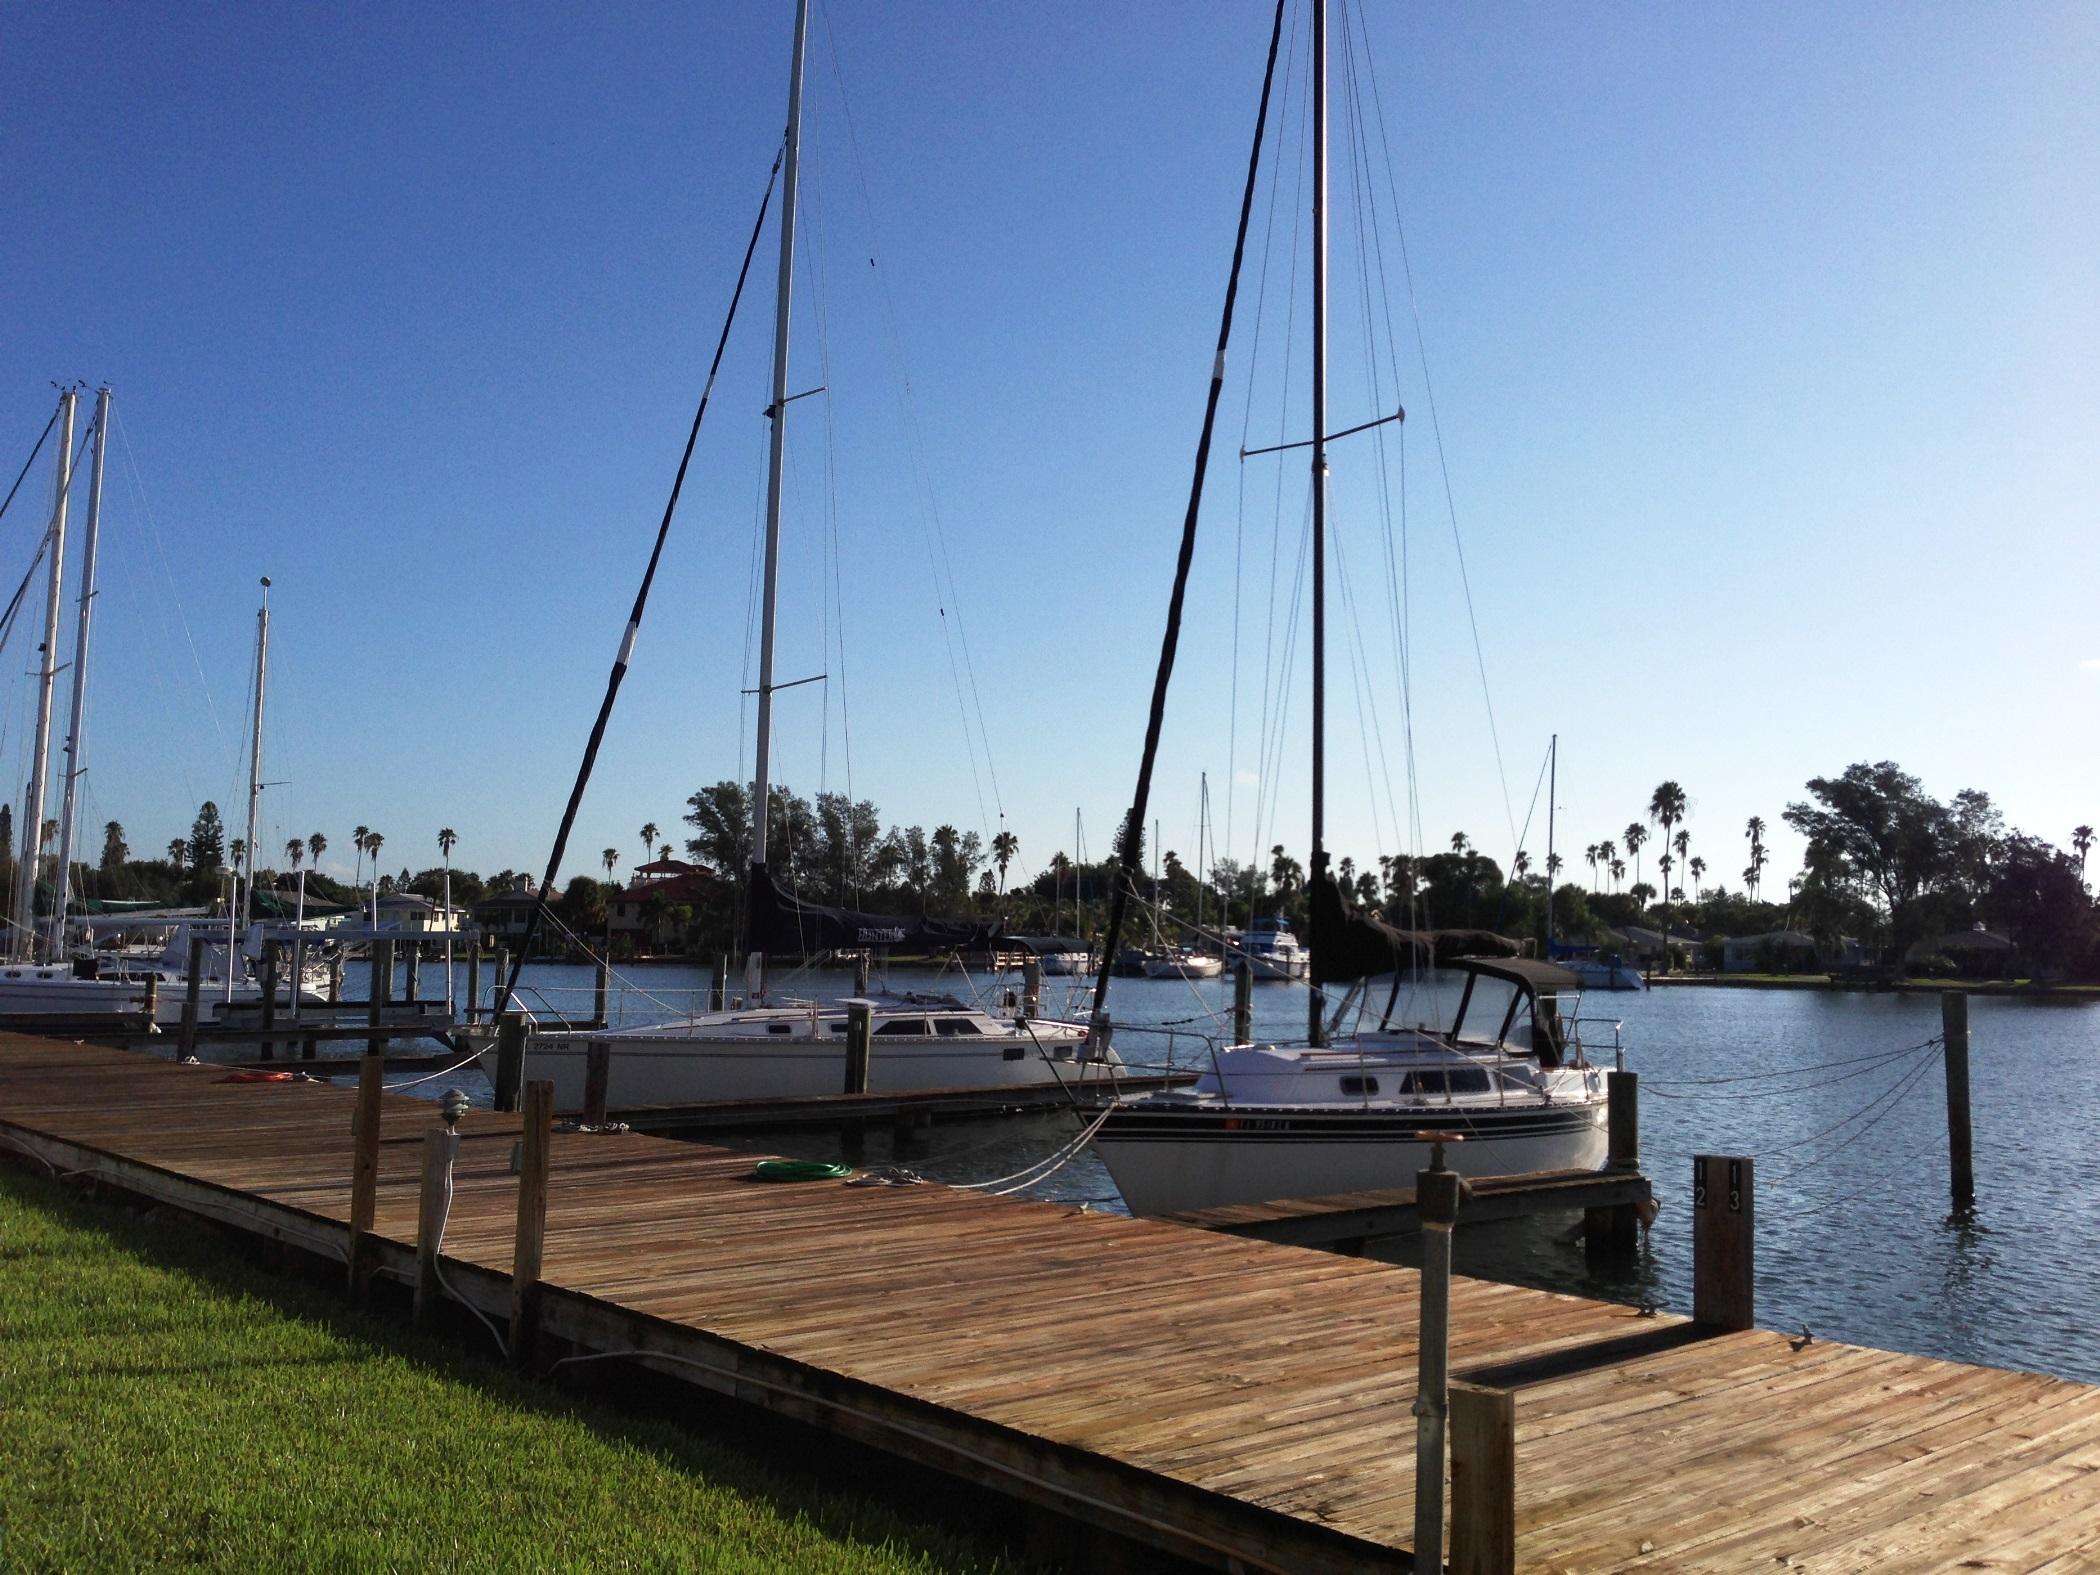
1222,1397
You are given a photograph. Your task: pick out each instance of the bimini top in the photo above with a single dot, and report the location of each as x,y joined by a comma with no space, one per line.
1541,978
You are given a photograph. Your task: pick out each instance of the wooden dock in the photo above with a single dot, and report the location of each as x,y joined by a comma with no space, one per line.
1231,1401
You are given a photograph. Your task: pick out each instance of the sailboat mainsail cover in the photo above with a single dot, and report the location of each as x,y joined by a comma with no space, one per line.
1351,944
783,924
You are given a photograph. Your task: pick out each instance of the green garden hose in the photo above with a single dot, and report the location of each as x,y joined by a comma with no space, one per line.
800,1170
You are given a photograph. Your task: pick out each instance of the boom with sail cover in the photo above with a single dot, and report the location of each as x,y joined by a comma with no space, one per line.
782,924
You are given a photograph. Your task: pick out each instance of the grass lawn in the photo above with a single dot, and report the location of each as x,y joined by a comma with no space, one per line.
163,1401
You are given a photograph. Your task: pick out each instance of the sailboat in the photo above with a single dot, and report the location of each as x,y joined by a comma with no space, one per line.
1350,1111
770,1048
1594,968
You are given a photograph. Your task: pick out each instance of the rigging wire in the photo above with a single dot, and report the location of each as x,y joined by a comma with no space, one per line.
31,460
1130,850
540,909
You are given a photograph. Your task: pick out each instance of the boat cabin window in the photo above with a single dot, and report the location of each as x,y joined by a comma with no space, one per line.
1359,1085
955,1025
904,1025
1457,1080
780,1028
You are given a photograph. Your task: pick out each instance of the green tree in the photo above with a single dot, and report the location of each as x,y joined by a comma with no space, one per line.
1004,846
1635,836
178,850
114,849
1877,826
1666,807
2081,844
358,836
207,846
373,843
316,845
648,840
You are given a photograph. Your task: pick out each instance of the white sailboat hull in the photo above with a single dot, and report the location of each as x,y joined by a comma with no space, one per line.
669,1071
1299,1153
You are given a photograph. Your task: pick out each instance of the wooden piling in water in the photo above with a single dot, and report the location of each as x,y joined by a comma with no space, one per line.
601,994
532,1220
860,973
151,1005
379,986
1613,1231
1724,1241
335,980
510,1060
597,1077
1483,1480
1243,1002
1961,1165
192,998
440,1153
364,1169
473,981
860,1021
718,988
413,969
269,997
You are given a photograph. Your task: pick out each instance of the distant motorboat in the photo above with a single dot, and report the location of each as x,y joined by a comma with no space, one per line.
1608,971
1272,951
1184,964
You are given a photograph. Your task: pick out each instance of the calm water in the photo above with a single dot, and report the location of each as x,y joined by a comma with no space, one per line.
1854,1234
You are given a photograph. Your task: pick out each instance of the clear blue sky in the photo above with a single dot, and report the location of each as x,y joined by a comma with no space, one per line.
1766,345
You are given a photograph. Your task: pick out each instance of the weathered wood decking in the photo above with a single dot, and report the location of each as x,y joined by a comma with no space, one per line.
1225,1399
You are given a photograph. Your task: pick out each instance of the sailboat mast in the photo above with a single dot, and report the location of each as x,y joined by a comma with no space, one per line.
23,943
776,459
1317,1028
255,745
75,754
1552,793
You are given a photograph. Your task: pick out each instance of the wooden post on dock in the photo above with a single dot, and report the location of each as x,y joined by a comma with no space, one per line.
1436,1200
502,970
364,1170
860,972
1724,1240
335,980
510,1059
473,982
151,1005
1483,1480
269,997
601,995
597,1078
1961,1165
860,1021
1614,1231
440,1152
718,990
381,985
192,999
1243,1002
532,1220
414,969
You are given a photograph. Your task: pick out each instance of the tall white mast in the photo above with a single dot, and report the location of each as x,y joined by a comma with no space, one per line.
75,750
255,741
755,962
24,939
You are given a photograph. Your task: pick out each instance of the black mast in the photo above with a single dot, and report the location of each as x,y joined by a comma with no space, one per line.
1316,1031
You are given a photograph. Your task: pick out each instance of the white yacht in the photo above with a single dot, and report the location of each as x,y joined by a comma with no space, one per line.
798,1050
1272,950
1182,963
1293,1121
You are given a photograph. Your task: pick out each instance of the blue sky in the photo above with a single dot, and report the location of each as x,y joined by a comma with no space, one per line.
1764,340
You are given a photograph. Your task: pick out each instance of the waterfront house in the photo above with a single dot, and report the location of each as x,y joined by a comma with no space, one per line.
502,916
1773,951
637,916
1974,954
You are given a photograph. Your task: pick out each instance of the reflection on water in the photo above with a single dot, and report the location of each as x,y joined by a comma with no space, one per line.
1855,1238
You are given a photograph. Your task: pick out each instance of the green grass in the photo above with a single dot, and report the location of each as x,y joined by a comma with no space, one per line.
164,1402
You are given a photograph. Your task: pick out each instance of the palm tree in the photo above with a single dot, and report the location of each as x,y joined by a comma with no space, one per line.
357,839
1618,872
1519,864
2082,844
1459,844
1698,869
1666,807
448,839
1004,846
238,849
316,845
295,852
648,840
178,850
372,842
1635,835
1589,855
610,857
1666,864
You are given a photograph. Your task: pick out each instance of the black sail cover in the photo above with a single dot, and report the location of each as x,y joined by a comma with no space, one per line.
1349,944
782,924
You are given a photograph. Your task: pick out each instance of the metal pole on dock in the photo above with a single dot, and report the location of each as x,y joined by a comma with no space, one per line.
860,1020
532,1220
473,980
718,990
1724,1240
364,1169
1954,1028
192,997
1483,1480
269,997
1436,1197
1243,1003
440,1152
335,980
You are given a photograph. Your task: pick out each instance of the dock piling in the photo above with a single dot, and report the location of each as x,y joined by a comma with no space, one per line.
1613,1232
718,989
473,981
335,980
150,1006
440,1152
1483,1480
532,1220
597,1076
601,993
192,998
860,1020
364,1170
510,1060
379,986
1437,1190
1243,1002
860,973
1954,1029
1724,1240
269,997
413,968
